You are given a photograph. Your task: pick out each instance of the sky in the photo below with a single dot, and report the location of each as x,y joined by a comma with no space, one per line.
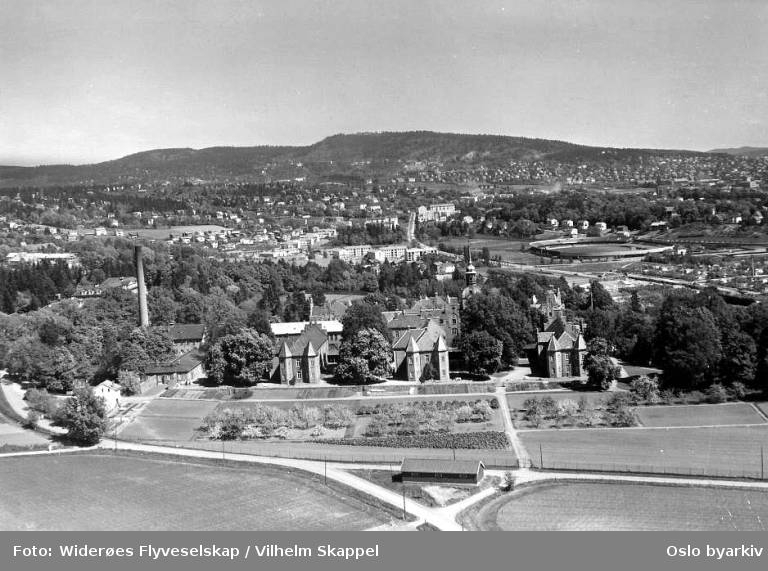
89,80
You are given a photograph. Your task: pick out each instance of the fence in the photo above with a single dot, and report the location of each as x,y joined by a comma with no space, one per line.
493,459
725,472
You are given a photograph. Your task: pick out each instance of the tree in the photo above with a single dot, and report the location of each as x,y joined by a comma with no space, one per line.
502,318
688,344
258,320
84,415
599,297
363,357
242,358
129,382
601,372
482,351
363,316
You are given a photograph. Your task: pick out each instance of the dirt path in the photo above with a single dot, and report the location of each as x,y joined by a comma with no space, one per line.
523,458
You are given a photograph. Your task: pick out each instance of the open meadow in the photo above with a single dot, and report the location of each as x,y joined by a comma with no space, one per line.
723,451
104,492
615,506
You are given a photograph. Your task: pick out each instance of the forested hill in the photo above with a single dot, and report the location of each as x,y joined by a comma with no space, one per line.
744,151
365,153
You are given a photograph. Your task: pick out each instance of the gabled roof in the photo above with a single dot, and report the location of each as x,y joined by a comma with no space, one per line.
307,343
407,321
183,364
435,466
424,339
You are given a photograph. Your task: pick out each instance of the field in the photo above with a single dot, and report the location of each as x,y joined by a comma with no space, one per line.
596,250
726,451
179,420
699,415
130,492
509,250
167,419
588,506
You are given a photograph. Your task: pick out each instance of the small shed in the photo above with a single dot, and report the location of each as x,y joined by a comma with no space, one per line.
468,472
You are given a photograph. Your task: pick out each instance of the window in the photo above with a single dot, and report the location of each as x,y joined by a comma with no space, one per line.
454,320
298,373
454,331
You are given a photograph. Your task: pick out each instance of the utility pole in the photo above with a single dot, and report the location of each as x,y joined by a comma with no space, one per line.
325,464
403,502
762,464
541,457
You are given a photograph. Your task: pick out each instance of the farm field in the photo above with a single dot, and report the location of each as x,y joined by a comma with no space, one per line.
592,506
131,492
725,451
699,415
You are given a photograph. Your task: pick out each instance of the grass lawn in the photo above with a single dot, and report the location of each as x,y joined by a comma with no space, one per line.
102,492
763,406
699,415
591,506
727,451
167,419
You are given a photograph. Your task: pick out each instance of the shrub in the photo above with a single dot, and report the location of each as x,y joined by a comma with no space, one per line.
646,389
548,407
32,419
531,407
738,390
317,432
494,403
281,432
619,400
717,393
624,417
337,416
483,410
667,397
566,409
490,440
583,406
464,413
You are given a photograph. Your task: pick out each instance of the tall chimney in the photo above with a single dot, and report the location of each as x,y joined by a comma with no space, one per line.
143,312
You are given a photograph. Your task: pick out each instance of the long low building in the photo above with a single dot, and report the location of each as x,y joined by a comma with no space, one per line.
467,472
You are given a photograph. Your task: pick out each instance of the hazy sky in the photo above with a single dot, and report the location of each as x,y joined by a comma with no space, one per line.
84,81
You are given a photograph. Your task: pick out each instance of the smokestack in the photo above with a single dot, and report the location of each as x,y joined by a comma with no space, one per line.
143,313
